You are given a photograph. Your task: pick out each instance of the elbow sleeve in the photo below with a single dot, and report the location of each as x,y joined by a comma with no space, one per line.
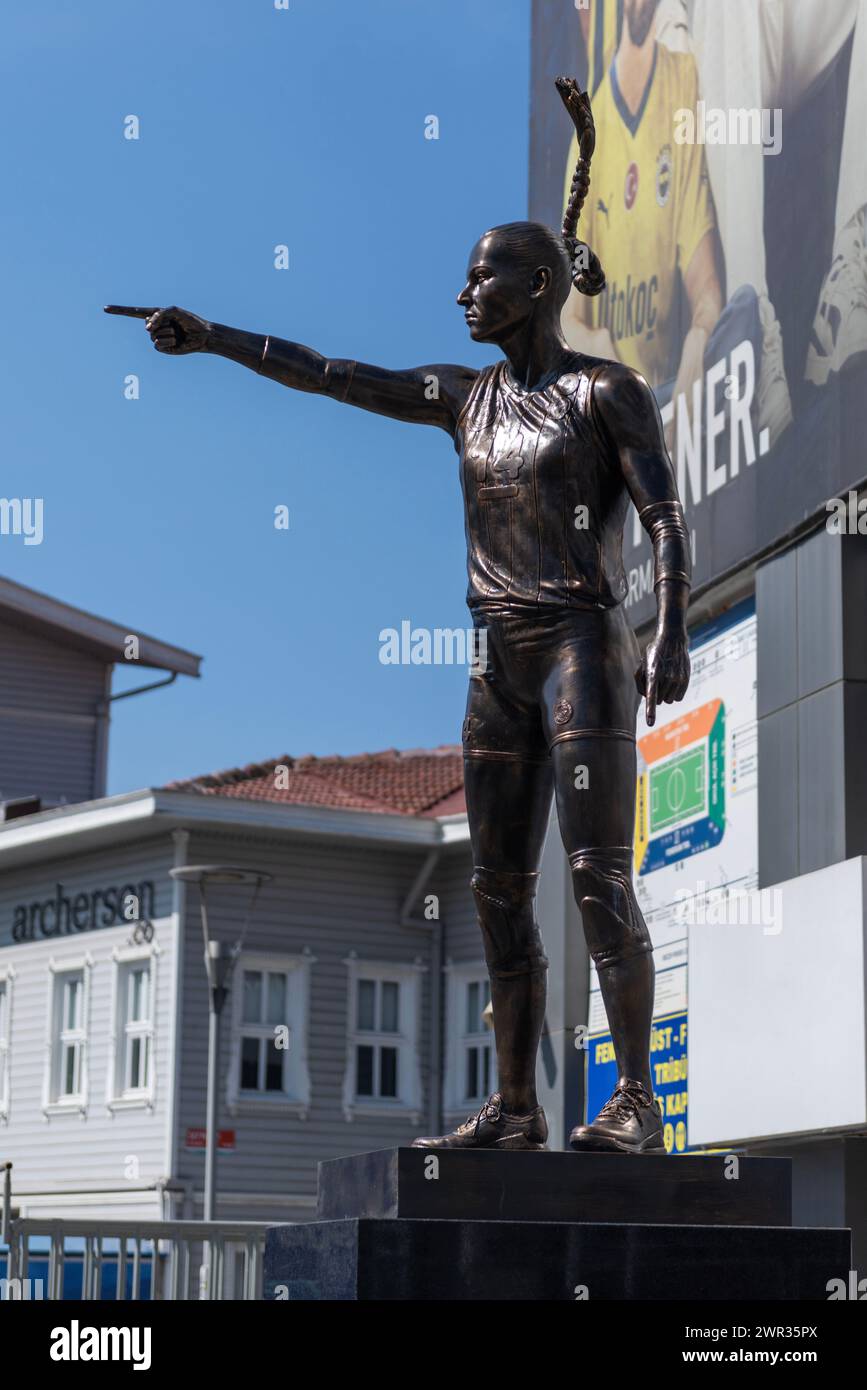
665,524
300,367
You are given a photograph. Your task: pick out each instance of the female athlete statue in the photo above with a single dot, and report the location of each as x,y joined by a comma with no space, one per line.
553,445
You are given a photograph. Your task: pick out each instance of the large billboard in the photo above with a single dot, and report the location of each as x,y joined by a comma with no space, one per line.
727,205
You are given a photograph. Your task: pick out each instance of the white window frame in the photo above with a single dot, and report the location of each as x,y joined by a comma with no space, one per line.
52,1101
118,1096
7,978
459,977
295,1097
408,1102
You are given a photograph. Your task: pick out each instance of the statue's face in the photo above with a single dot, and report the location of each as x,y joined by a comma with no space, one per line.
497,297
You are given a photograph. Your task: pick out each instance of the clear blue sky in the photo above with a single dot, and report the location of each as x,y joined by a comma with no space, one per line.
258,127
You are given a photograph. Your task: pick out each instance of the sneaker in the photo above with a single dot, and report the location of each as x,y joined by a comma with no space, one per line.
774,401
493,1128
840,326
630,1123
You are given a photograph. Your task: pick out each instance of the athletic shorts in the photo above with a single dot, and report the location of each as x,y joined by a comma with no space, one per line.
550,678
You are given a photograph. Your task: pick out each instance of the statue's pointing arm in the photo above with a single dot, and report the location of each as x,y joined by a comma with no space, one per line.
433,395
626,410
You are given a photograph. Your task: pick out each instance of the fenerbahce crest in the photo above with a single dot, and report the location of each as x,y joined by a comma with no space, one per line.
663,175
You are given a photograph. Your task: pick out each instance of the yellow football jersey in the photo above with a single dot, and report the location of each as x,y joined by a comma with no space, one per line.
648,207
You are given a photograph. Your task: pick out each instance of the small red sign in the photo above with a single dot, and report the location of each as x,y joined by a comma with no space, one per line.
196,1139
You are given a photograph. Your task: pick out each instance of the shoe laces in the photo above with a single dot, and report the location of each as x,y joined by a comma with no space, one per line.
629,1097
491,1110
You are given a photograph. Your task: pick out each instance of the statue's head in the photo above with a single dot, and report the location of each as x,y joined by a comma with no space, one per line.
521,272
515,273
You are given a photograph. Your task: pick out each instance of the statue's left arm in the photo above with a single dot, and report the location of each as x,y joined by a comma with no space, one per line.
626,411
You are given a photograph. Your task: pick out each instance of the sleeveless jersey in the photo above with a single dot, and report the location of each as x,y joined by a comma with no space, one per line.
544,499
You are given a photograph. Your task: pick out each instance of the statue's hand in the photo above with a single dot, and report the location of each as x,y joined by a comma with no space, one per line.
177,331
663,675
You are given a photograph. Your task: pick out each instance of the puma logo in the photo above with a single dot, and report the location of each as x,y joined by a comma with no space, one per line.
601,207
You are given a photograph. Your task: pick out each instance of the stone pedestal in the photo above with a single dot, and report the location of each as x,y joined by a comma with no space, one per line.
406,1224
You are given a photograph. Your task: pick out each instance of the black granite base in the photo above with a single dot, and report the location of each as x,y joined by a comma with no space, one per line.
407,1259
478,1185
405,1224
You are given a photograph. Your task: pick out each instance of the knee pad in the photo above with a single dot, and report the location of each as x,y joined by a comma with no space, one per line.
505,904
614,926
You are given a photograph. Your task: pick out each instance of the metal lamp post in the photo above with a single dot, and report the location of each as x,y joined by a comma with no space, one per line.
220,962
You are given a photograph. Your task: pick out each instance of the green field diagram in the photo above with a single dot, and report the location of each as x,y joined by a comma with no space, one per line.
678,789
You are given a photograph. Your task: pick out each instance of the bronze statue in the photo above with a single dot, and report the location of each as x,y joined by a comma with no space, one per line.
552,445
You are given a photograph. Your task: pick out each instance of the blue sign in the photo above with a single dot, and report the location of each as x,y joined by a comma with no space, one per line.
668,1063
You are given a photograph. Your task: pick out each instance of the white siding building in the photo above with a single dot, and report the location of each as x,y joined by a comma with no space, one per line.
328,1043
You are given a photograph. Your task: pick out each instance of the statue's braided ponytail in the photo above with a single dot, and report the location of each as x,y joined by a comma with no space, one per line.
587,273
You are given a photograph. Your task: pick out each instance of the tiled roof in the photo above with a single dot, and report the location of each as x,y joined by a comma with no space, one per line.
413,782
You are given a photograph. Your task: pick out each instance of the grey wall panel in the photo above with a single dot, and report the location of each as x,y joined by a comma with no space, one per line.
560,1071
854,601
820,616
855,714
49,694
778,796
812,606
462,938
39,674
818,1179
50,759
856,1198
777,624
821,780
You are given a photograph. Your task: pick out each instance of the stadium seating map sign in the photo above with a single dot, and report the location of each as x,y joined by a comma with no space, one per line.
681,789
696,842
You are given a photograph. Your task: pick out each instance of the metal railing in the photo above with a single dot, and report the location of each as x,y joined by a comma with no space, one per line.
149,1259
130,1259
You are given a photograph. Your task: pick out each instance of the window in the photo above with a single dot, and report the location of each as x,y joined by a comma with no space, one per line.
137,1026
376,1057
383,1070
477,1042
131,1075
68,1043
268,1062
65,1078
471,1059
265,1034
71,1036
5,1026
